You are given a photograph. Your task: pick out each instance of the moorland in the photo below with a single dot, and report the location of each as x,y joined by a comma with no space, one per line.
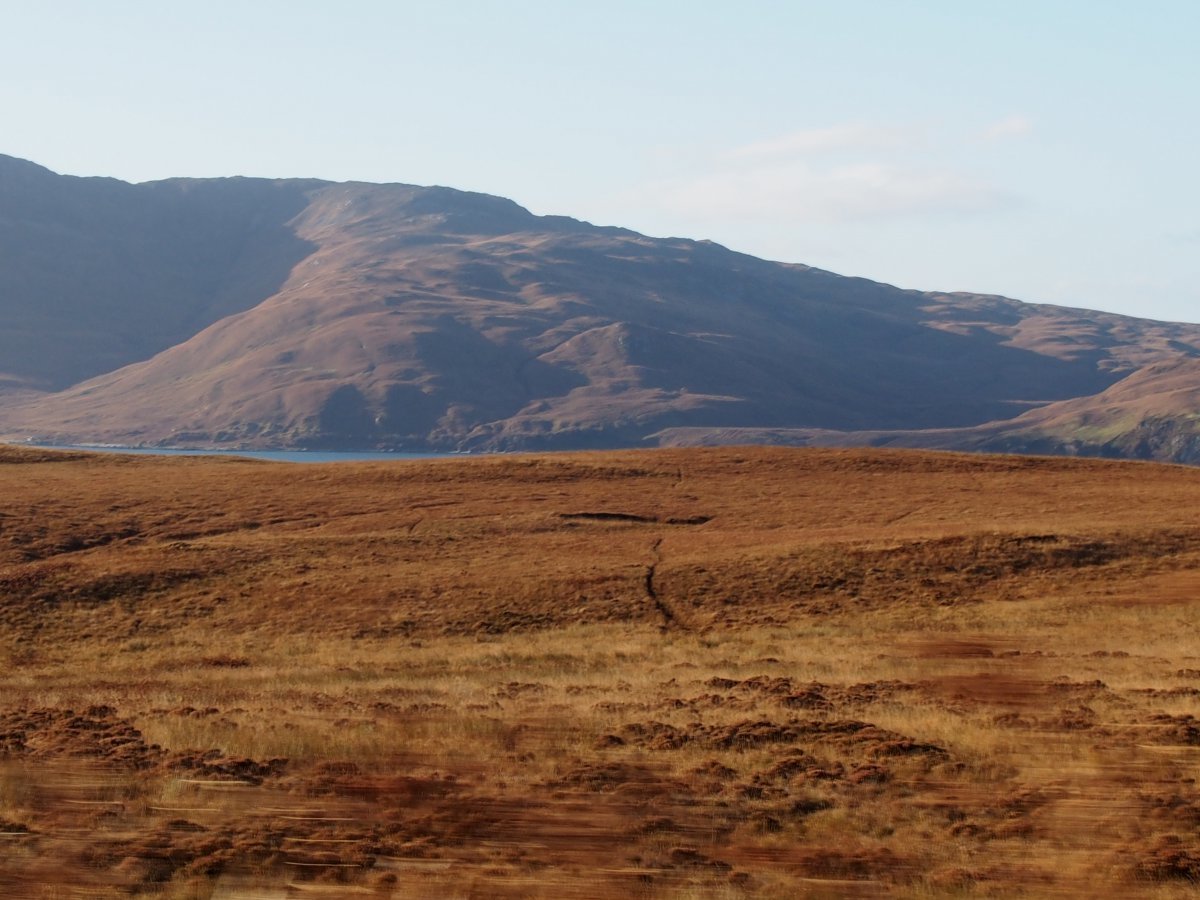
696,673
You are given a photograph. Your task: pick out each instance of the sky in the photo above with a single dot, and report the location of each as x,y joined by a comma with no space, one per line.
1045,150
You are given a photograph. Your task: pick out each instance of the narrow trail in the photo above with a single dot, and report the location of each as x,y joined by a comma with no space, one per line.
670,620
900,517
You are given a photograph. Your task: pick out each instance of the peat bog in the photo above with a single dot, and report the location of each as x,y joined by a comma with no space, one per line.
702,673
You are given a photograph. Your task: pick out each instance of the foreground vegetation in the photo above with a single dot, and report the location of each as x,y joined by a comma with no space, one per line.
708,674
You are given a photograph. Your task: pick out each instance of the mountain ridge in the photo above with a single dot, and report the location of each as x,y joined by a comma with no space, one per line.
301,312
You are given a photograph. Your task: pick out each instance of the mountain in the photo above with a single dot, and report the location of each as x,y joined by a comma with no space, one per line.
285,313
96,274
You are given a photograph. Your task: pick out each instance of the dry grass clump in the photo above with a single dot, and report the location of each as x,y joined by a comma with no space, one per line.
697,674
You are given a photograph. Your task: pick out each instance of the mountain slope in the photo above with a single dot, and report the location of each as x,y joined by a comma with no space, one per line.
304,313
1152,414
96,274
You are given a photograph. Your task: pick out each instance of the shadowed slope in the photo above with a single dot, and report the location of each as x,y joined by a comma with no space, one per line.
1152,414
96,273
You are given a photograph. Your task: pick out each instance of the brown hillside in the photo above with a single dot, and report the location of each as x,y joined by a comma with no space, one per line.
1153,413
675,673
299,313
96,274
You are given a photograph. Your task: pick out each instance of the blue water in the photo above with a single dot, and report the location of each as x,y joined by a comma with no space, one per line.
296,456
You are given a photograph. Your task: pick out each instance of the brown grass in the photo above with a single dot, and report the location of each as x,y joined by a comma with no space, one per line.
696,674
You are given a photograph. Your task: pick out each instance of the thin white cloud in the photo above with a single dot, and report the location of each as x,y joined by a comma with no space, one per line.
1011,127
796,191
846,137
841,173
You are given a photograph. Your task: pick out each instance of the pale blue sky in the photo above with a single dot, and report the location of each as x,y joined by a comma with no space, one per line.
1043,150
